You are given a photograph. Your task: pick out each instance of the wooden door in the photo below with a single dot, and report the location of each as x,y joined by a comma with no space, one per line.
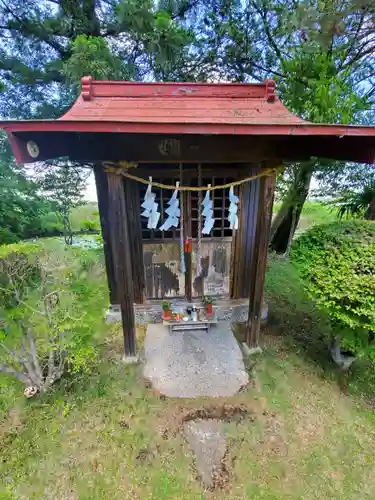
215,249
161,250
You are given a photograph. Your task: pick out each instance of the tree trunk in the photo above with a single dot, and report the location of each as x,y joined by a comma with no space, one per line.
68,233
370,212
286,220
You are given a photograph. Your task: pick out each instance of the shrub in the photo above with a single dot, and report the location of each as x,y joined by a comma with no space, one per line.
89,225
337,261
6,236
48,329
292,312
51,224
19,269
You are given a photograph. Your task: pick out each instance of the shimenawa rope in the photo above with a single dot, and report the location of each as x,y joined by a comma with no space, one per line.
263,173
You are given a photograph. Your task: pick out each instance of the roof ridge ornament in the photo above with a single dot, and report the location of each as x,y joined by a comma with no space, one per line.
86,92
270,90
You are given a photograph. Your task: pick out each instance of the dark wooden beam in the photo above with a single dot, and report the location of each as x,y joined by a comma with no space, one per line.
132,201
172,170
102,193
121,255
187,236
259,259
156,148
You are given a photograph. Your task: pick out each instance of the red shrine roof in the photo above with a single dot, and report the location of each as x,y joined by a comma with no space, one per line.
188,108
182,105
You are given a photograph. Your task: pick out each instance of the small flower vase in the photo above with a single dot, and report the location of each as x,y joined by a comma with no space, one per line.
167,315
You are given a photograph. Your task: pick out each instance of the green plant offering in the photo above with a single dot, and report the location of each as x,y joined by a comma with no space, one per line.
338,263
166,306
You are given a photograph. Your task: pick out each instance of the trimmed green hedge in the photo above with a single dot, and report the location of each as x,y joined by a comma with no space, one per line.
337,262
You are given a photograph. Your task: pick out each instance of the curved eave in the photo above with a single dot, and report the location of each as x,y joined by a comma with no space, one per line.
109,117
207,128
90,141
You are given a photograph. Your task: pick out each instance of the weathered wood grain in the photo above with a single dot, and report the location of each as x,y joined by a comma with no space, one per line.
258,268
101,182
122,261
243,246
132,203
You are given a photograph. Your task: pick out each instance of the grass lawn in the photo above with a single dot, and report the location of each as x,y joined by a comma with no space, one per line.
107,435
88,211
313,213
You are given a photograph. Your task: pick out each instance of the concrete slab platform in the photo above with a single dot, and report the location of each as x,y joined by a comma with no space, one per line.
193,364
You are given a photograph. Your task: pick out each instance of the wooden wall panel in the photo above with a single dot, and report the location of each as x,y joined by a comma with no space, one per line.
243,246
216,268
121,256
258,268
101,181
132,202
163,278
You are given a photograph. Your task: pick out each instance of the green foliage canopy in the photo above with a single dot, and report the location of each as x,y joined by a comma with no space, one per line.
48,45
21,207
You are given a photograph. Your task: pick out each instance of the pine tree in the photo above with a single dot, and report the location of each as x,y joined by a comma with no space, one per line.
48,45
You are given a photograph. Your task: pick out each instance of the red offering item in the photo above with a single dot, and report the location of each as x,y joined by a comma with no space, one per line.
209,309
188,245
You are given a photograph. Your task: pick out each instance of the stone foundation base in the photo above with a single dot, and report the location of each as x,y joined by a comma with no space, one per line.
249,351
130,360
113,315
234,311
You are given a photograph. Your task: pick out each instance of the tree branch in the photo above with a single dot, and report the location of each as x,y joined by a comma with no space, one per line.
89,11
361,53
11,371
17,67
51,368
25,28
271,41
34,354
184,9
23,362
354,40
13,354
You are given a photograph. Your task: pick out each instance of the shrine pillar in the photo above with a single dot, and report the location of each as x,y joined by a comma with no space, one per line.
259,259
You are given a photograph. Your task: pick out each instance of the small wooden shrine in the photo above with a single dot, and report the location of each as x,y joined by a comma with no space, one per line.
185,176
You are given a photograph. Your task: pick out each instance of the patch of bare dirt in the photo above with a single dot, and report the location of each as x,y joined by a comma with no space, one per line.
145,455
177,416
221,477
227,413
